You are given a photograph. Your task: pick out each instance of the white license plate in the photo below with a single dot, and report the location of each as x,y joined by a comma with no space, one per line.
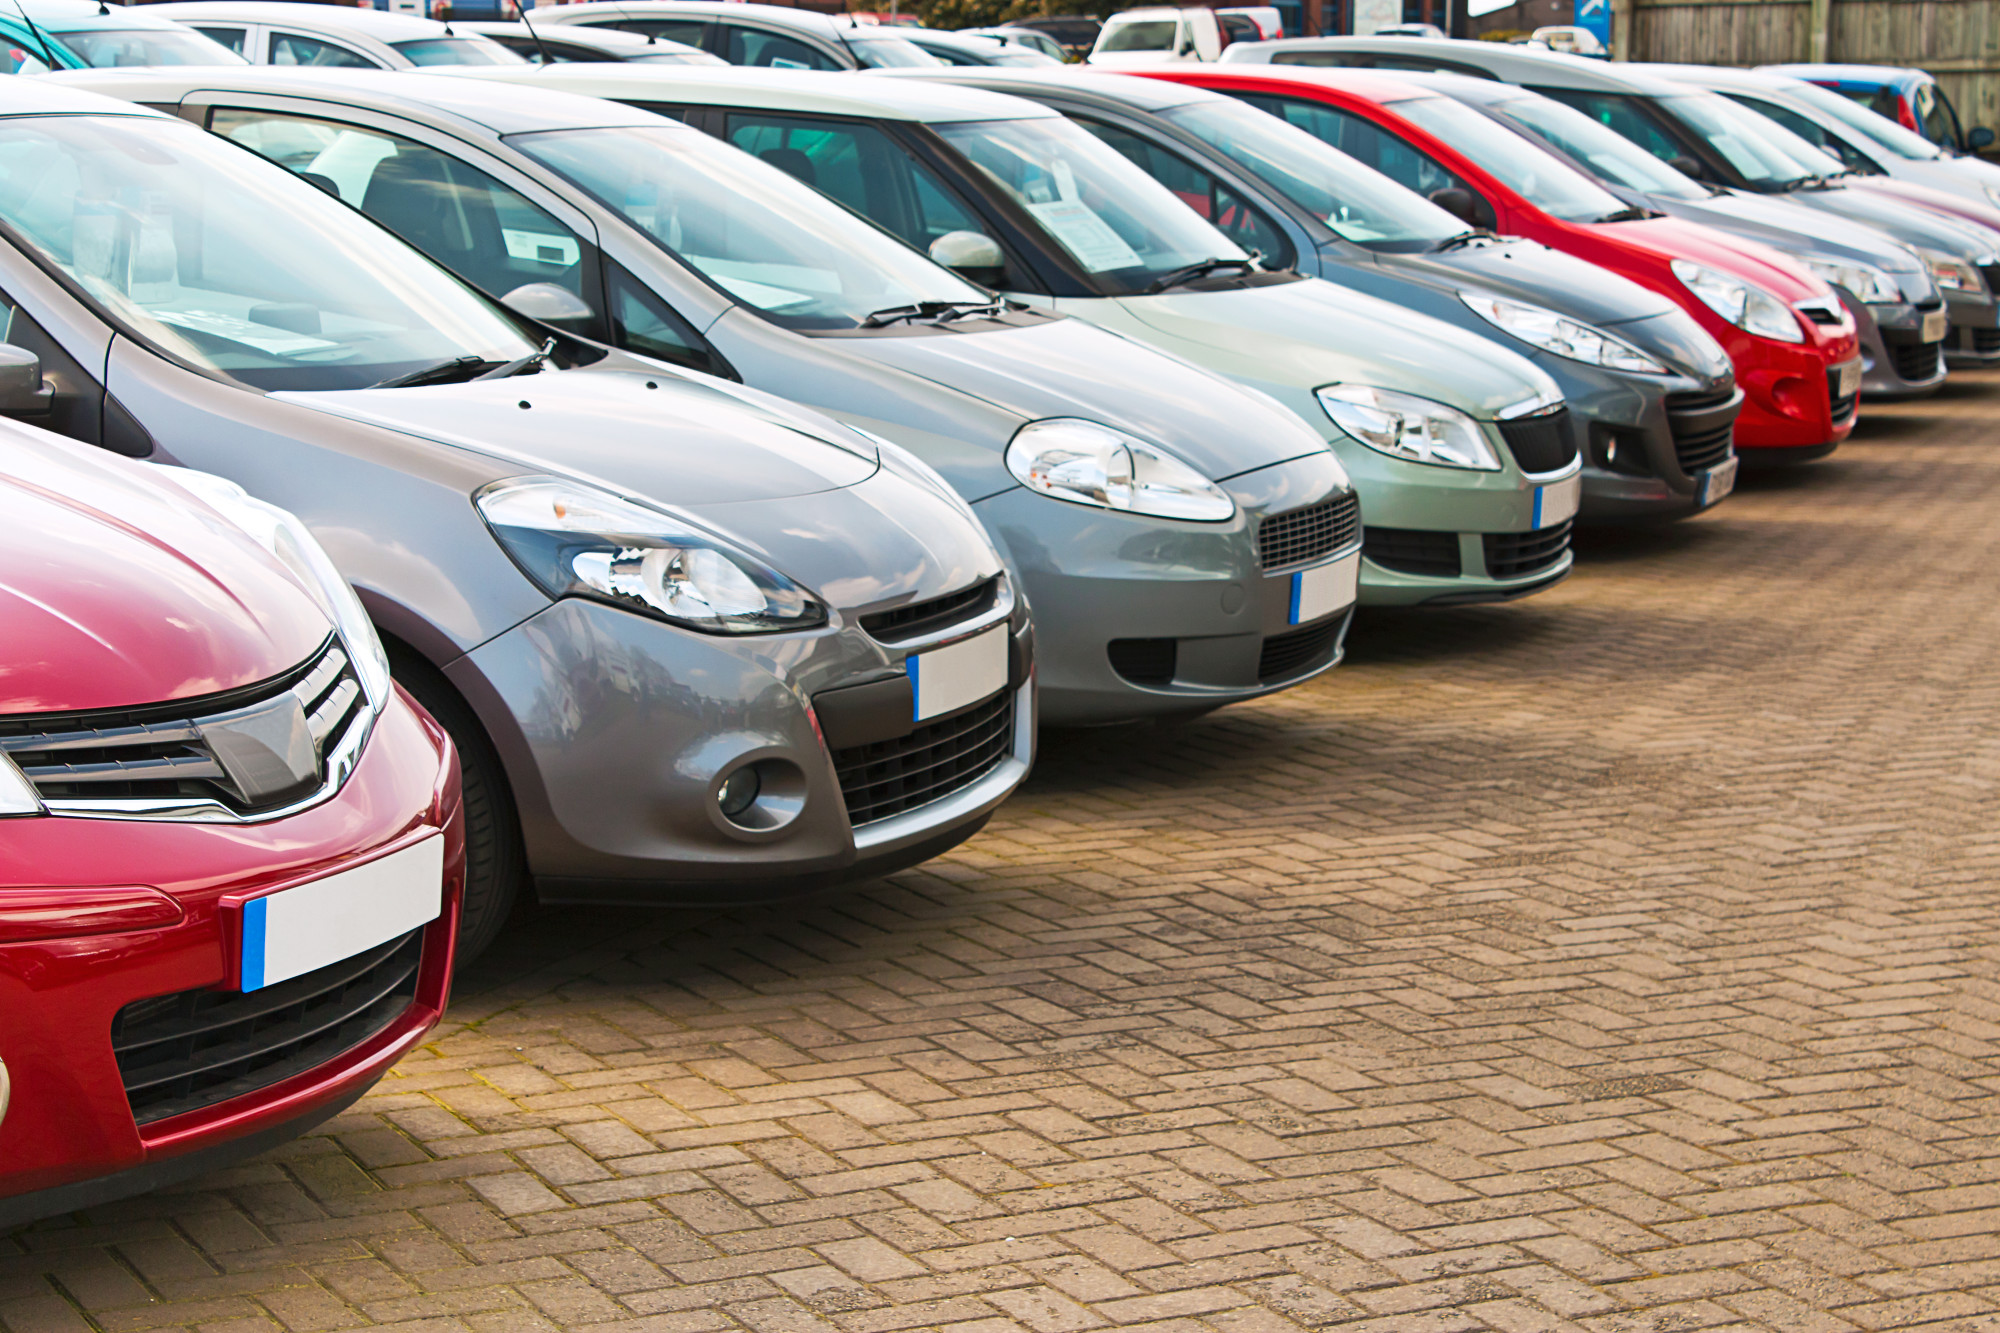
307,927
1849,379
949,678
1324,589
1715,483
1935,324
1556,502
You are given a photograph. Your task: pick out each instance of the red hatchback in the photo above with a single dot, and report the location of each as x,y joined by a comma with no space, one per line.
230,849
1792,344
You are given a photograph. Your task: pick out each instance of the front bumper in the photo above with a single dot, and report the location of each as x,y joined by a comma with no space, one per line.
1648,442
70,1137
1897,361
1974,340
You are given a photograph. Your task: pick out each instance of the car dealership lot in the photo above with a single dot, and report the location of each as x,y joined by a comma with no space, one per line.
1623,957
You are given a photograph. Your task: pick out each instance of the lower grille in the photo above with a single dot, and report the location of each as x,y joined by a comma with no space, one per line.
1703,426
884,778
1290,653
1412,550
1509,555
1304,535
1980,342
920,618
1145,661
179,1053
1916,361
1541,443
1842,408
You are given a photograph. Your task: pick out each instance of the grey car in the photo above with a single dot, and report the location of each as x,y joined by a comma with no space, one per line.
279,32
695,644
773,36
1655,394
1161,586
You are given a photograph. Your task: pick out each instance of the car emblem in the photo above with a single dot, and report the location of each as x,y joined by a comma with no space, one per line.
266,749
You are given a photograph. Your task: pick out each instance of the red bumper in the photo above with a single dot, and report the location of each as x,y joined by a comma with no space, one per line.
1788,399
69,1119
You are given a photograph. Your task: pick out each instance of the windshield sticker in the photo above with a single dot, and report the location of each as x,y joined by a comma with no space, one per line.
1085,235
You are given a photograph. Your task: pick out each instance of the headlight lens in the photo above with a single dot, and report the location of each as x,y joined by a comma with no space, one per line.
1561,335
1867,282
1086,463
1954,275
1743,304
1405,426
575,540
280,532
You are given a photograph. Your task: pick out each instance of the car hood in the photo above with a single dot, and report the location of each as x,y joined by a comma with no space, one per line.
688,441
1784,224
1304,335
1675,238
1531,272
1968,209
1910,223
1069,368
119,590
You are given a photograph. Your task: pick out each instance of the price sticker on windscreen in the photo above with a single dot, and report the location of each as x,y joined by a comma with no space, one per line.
1324,589
948,678
302,929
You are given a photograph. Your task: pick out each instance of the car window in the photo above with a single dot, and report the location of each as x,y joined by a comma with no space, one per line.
1200,190
1322,59
689,31
1143,35
291,48
111,48
641,322
456,51
1934,114
948,55
1609,155
458,215
1622,115
229,37
1364,141
771,50
890,53
1811,131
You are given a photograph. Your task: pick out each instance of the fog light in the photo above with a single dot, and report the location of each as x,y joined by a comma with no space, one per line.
739,791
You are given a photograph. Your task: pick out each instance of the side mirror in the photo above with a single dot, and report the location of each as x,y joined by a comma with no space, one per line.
549,304
970,255
1458,203
1979,138
23,392
1687,166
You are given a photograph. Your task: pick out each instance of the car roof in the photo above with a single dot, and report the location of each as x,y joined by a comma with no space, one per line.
76,15
50,95
1711,75
1515,64
431,95
1894,75
376,23
1113,89
870,96
580,34
782,15
1374,85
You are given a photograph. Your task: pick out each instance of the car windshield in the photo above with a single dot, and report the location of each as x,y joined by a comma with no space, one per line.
1144,35
113,48
1530,171
457,51
1746,140
776,245
1609,154
1359,203
225,262
1877,129
890,53
1119,224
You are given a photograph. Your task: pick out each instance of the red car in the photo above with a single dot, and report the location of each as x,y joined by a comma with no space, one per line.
230,850
1792,344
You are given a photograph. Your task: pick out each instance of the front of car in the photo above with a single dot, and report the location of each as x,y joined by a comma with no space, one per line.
231,851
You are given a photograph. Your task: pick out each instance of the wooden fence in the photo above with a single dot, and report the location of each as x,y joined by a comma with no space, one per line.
1957,40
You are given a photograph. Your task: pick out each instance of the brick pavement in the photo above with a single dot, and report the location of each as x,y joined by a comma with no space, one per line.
1624,960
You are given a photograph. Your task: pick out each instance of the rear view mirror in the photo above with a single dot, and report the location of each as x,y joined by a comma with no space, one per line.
1979,138
1458,203
549,304
23,393
971,256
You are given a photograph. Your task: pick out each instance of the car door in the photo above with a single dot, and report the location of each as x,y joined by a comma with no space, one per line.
283,46
1361,138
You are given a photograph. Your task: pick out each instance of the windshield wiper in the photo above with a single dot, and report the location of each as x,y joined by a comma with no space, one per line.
941,311
532,361
1629,214
444,372
1475,236
1201,270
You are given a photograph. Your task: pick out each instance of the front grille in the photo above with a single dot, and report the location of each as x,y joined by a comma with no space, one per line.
884,778
1701,435
1842,409
1145,661
1290,653
1541,443
179,1053
1509,555
1304,535
918,619
1412,550
1916,361
1820,311
1980,342
160,754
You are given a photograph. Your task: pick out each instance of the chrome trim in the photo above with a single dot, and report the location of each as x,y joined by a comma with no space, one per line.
884,835
1530,407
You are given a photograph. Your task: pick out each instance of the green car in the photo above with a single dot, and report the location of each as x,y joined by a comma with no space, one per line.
1463,453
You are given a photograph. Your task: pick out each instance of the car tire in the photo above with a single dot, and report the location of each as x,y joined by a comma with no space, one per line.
496,866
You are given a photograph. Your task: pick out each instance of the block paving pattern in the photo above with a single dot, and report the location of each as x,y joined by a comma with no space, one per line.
1624,960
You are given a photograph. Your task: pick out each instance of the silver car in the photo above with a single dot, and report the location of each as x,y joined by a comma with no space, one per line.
771,36
280,32
1158,518
696,644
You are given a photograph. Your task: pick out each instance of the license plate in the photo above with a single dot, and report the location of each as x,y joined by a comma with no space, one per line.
302,929
1715,483
1324,589
948,678
1556,502
1935,324
1848,379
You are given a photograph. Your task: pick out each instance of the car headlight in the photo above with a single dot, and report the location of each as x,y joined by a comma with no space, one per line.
1086,463
1870,284
575,540
1405,426
1747,306
1954,275
1560,335
280,532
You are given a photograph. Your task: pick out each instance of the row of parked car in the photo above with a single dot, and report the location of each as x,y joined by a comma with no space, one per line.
731,468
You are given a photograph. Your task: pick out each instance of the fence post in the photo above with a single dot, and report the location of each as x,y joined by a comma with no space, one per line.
1621,30
1819,23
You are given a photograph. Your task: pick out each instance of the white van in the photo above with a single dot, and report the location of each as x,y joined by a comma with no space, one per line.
1149,36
